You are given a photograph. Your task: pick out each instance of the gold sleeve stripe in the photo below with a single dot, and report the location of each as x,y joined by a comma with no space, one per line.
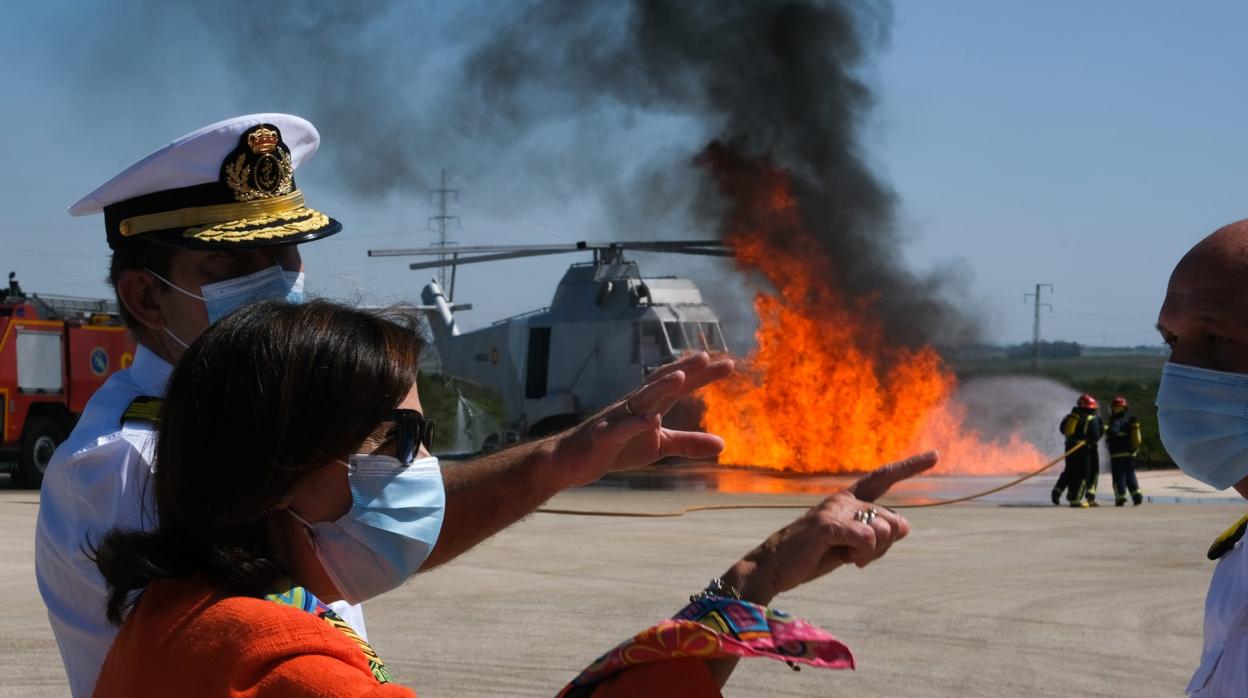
146,409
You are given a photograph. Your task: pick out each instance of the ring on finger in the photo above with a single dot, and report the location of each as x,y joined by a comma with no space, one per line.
866,515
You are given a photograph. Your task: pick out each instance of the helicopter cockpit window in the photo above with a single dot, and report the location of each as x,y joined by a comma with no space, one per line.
650,346
700,336
714,337
697,338
676,336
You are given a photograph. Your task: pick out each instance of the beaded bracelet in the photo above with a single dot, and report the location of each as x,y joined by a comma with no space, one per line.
718,589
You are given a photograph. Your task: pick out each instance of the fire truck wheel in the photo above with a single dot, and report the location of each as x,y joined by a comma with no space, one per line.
41,437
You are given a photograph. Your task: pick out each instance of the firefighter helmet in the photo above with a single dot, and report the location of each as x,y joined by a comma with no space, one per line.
1120,401
1087,401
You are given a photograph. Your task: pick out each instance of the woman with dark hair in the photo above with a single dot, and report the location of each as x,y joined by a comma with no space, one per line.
292,472
264,445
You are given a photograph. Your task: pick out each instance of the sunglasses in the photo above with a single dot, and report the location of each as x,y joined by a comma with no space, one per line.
411,431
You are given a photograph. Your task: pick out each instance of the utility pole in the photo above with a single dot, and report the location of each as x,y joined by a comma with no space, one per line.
439,222
1035,328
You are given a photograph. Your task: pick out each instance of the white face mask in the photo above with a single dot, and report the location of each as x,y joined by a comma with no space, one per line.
224,297
1202,417
393,524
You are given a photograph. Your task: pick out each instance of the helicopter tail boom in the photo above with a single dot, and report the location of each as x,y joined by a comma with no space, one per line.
433,296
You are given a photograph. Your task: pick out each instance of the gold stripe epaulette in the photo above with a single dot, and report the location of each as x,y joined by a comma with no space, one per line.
1223,543
144,409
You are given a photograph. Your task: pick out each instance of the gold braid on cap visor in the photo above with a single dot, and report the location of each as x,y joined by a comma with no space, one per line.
211,215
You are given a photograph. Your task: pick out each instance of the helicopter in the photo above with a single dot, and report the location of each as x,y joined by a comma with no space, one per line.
606,328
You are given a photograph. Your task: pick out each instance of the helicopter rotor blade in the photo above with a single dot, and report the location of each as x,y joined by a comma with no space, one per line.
663,244
644,245
704,251
495,253
473,249
487,258
706,248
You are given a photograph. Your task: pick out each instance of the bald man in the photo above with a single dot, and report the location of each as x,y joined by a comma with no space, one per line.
1202,408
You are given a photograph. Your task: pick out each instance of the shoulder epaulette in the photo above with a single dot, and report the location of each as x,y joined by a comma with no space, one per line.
1223,543
144,408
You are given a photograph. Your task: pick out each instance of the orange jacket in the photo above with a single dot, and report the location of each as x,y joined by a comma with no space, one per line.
185,639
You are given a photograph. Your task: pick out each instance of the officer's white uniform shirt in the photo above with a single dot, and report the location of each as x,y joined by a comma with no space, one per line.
1223,667
97,480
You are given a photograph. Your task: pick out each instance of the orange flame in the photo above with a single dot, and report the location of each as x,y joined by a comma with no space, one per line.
824,392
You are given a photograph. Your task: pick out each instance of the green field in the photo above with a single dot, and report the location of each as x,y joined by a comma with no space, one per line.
1126,368
1134,376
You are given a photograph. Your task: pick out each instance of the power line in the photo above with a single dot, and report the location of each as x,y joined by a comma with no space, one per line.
1035,327
440,222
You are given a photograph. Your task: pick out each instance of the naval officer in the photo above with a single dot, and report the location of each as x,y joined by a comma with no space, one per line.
203,226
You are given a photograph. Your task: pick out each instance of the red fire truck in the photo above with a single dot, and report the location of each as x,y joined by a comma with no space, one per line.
55,351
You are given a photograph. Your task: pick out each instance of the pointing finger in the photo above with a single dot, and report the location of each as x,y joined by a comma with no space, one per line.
876,483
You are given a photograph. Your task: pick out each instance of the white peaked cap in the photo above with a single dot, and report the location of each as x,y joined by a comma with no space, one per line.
226,186
196,159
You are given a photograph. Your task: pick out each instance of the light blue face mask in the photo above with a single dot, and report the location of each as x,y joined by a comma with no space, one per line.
1202,417
393,524
224,297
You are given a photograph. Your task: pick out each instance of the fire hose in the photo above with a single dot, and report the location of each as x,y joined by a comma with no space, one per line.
721,507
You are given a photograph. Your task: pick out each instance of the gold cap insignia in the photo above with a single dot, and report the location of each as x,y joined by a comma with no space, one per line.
263,140
260,167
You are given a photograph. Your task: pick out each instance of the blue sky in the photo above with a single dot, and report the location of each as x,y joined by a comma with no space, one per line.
1083,144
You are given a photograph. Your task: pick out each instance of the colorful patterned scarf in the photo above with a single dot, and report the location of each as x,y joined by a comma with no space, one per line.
716,627
304,600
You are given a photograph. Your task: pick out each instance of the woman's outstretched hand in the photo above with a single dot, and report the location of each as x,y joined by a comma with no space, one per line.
837,531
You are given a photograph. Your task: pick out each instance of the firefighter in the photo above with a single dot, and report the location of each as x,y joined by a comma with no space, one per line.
1123,439
1079,477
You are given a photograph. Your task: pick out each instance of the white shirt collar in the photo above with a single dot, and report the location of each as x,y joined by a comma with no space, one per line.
150,372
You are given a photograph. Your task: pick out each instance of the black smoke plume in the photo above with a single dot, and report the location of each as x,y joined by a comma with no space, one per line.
549,94
779,81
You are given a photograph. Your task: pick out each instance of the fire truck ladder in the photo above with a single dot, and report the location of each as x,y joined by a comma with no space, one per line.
73,307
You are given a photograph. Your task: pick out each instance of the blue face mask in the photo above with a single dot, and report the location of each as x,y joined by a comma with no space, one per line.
224,297
1202,417
393,524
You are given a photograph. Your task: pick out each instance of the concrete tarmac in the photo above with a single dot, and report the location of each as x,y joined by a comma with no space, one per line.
981,600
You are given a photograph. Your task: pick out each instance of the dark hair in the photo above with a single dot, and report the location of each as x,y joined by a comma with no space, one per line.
266,395
137,254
